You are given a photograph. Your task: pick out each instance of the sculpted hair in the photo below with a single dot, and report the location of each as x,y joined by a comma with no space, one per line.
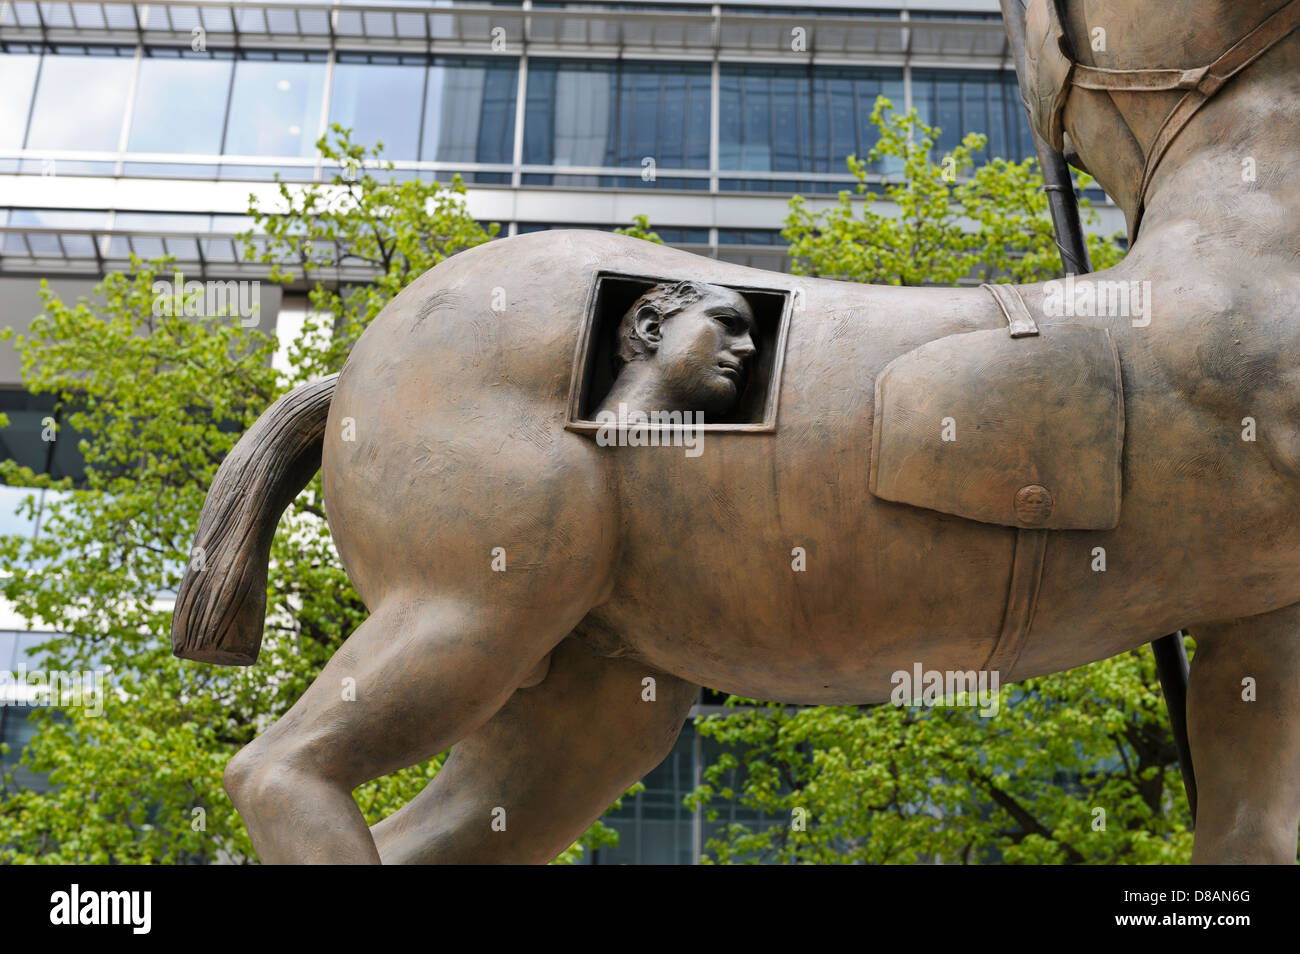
667,300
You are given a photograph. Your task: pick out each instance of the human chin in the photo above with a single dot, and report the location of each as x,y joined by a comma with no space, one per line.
714,394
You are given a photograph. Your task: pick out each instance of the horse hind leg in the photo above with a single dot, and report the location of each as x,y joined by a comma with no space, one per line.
1244,729
412,680
529,782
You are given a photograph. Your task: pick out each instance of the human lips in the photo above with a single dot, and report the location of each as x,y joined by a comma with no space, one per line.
735,368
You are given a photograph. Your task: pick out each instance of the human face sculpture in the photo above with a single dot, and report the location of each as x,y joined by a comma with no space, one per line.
704,353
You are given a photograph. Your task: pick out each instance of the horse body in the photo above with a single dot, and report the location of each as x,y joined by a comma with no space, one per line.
691,560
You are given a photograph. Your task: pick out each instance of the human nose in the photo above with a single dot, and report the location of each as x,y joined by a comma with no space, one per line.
744,346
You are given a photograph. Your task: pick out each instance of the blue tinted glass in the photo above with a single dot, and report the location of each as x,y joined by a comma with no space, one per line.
380,102
17,78
662,112
571,112
788,123
843,101
275,108
949,114
618,114
997,125
18,731
779,118
755,102
749,237
180,104
539,115
469,111
967,101
80,102
25,440
1020,139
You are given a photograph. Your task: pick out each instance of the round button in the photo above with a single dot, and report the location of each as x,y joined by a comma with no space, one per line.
1033,504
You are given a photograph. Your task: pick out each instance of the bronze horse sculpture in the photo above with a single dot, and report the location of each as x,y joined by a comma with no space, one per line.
945,463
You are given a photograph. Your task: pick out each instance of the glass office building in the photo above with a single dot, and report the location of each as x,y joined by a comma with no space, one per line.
142,128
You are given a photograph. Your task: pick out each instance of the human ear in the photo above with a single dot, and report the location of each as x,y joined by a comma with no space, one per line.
648,326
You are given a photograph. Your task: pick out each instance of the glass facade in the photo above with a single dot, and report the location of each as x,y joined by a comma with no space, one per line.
166,110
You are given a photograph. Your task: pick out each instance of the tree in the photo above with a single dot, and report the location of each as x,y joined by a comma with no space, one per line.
640,228
1076,767
162,396
955,221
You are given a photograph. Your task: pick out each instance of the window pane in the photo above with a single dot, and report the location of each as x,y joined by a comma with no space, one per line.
618,114
765,126
162,222
663,113
570,114
80,101
24,439
969,101
469,111
791,119
82,245
765,112
180,104
843,101
146,246
275,108
17,77
59,218
378,98
12,521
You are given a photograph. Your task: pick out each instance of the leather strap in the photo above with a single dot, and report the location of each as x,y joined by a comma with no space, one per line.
1022,600
1020,322
1135,81
1031,545
1240,55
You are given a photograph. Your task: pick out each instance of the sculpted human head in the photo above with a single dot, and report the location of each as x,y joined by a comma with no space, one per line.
689,346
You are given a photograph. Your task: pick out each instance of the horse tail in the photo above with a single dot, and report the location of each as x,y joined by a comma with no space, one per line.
221,604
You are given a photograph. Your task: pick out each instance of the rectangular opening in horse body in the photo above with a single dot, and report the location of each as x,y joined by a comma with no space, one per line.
595,364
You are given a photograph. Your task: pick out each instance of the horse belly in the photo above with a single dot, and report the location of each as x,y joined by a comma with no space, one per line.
765,568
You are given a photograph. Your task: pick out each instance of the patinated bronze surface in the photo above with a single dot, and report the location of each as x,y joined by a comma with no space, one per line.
525,579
